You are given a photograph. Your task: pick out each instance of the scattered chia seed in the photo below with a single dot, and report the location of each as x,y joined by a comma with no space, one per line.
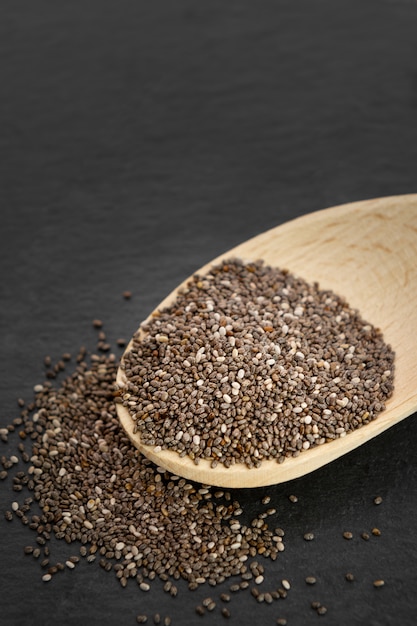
348,535
281,621
309,536
365,536
376,532
225,612
293,498
203,362
350,577
378,500
310,580
379,583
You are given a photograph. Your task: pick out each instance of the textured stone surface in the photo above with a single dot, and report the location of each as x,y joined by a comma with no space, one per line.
140,140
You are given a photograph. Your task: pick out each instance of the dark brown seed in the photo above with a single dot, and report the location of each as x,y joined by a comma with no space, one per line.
200,610
293,498
141,619
127,295
376,532
225,597
315,604
97,323
350,577
348,535
365,536
225,612
156,618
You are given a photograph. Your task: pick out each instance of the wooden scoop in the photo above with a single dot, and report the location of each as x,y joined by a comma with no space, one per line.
364,251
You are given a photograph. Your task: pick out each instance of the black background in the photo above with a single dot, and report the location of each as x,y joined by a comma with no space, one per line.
138,141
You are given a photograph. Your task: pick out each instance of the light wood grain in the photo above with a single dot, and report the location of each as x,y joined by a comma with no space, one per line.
365,251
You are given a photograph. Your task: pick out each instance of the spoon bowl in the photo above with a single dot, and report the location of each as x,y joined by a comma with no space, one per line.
365,252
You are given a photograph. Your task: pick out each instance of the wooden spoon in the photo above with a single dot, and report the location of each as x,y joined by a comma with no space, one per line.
365,251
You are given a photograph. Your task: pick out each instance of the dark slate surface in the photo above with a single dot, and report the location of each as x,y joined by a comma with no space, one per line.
138,141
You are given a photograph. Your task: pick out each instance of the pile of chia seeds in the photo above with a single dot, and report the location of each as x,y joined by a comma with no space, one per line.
252,363
78,478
